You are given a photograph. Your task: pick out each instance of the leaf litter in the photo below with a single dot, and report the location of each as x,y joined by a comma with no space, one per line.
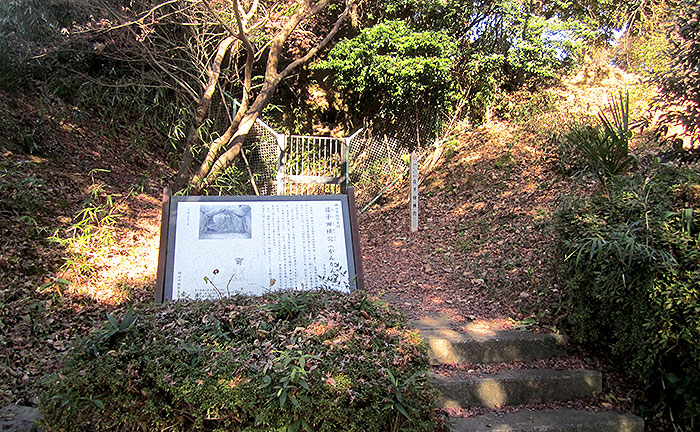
483,253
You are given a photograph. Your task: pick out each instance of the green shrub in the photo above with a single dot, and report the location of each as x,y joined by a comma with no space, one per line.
480,76
317,361
631,280
642,49
603,148
394,66
537,57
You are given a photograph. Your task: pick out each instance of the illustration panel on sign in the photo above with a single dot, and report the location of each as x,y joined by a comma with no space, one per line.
225,222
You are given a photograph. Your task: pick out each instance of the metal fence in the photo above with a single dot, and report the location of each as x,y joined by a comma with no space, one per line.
370,160
312,165
262,150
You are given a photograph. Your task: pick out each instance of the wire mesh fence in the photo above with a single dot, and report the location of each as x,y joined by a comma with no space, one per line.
262,149
370,160
310,160
381,154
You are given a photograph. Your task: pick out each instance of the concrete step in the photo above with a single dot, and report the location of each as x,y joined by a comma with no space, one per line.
18,418
517,387
564,420
489,346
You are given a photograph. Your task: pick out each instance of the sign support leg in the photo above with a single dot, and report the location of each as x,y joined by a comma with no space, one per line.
162,256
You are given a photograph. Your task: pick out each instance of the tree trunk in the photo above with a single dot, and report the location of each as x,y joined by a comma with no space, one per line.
183,173
214,164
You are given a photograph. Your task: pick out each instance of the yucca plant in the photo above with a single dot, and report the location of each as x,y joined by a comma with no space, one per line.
606,146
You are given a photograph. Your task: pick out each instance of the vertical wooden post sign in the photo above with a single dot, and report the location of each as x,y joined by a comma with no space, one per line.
414,192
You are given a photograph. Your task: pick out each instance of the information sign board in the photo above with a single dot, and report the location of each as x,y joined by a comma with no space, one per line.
220,246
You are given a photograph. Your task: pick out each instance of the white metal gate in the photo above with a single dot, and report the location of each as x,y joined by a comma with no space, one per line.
310,165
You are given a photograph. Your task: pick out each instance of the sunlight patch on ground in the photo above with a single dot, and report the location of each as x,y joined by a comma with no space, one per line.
531,150
471,157
436,300
530,187
488,326
128,266
463,209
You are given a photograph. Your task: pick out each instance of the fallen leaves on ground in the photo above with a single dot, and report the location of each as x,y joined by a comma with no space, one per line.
42,308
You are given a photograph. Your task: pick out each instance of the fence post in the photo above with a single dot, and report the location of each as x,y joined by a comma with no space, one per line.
281,161
345,160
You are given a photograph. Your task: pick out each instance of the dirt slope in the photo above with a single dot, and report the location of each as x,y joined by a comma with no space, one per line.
72,167
485,245
484,249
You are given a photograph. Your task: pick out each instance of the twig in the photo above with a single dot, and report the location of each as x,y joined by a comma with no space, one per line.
250,173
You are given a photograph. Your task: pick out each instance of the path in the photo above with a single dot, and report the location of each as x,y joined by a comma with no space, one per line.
485,253
509,380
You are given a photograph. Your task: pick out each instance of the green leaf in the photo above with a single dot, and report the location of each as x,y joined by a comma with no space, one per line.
128,320
393,380
402,410
283,399
63,282
113,321
266,381
672,378
687,220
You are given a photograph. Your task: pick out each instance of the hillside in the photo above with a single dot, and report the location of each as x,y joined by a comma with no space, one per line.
485,254
485,245
484,251
101,193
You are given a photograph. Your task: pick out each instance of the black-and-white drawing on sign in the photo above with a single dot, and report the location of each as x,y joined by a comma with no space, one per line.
225,222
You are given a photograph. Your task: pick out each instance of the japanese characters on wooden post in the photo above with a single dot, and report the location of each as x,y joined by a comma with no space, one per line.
414,192
221,246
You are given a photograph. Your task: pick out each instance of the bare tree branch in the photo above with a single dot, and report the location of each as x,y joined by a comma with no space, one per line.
312,52
211,169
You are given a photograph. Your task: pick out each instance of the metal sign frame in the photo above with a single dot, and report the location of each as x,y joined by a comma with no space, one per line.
168,241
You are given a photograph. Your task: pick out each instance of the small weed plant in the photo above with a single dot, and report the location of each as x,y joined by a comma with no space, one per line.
289,361
92,230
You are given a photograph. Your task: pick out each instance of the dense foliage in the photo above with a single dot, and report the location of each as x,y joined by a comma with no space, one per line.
642,47
680,85
632,281
394,66
440,53
315,361
143,61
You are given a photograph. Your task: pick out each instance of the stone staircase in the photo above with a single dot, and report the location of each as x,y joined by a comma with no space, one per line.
452,345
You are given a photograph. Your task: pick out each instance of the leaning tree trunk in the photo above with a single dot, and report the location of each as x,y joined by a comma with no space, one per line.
188,157
215,162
